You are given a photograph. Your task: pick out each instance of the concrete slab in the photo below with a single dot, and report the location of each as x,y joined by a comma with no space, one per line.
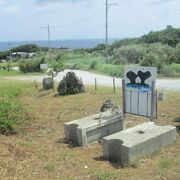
92,128
142,140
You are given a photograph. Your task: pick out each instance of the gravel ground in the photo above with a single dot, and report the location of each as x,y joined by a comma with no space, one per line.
103,80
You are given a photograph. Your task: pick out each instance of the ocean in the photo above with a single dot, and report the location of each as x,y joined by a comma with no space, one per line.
72,44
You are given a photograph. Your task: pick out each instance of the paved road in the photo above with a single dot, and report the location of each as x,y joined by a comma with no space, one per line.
102,80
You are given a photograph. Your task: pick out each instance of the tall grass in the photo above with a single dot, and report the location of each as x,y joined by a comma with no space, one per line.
83,62
10,73
93,63
11,89
96,63
12,112
171,70
112,70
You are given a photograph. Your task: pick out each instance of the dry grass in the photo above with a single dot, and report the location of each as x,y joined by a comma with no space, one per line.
40,152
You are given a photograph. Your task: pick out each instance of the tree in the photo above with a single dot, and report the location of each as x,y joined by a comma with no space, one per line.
56,66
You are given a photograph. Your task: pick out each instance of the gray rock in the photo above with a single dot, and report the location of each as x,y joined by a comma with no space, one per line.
70,84
107,105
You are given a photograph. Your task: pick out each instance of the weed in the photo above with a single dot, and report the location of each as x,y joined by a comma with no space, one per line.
27,144
165,163
102,175
65,156
12,114
93,65
50,167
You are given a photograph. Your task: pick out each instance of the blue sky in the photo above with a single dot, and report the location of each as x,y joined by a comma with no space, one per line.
84,19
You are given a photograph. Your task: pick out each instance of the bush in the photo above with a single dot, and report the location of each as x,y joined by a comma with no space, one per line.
172,70
93,65
176,68
10,92
112,70
12,114
30,66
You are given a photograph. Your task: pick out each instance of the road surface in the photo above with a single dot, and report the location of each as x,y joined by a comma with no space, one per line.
88,78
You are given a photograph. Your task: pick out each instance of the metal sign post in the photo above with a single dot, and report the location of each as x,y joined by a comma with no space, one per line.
123,96
152,101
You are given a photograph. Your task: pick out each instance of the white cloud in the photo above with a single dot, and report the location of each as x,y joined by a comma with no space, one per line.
9,9
156,2
49,7
2,2
53,6
58,1
13,10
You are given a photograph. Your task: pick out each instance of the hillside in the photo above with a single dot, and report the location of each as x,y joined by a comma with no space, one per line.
169,36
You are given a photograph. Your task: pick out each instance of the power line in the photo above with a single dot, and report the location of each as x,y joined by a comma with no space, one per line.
90,17
144,17
78,21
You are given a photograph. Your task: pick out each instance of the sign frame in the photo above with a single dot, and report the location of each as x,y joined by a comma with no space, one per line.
151,105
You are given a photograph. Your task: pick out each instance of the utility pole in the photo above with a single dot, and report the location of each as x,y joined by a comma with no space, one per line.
107,8
106,31
10,55
50,57
68,44
49,40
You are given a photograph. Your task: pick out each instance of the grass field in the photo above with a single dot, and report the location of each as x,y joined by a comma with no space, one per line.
39,150
17,73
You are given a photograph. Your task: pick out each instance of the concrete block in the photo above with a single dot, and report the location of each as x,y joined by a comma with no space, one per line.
90,129
142,140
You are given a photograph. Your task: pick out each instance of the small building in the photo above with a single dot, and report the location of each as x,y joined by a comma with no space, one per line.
31,55
15,68
64,49
23,55
3,61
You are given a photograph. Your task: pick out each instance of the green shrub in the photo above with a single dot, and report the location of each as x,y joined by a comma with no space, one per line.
12,114
105,175
166,71
176,68
76,66
10,93
32,65
128,54
112,70
93,65
166,163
